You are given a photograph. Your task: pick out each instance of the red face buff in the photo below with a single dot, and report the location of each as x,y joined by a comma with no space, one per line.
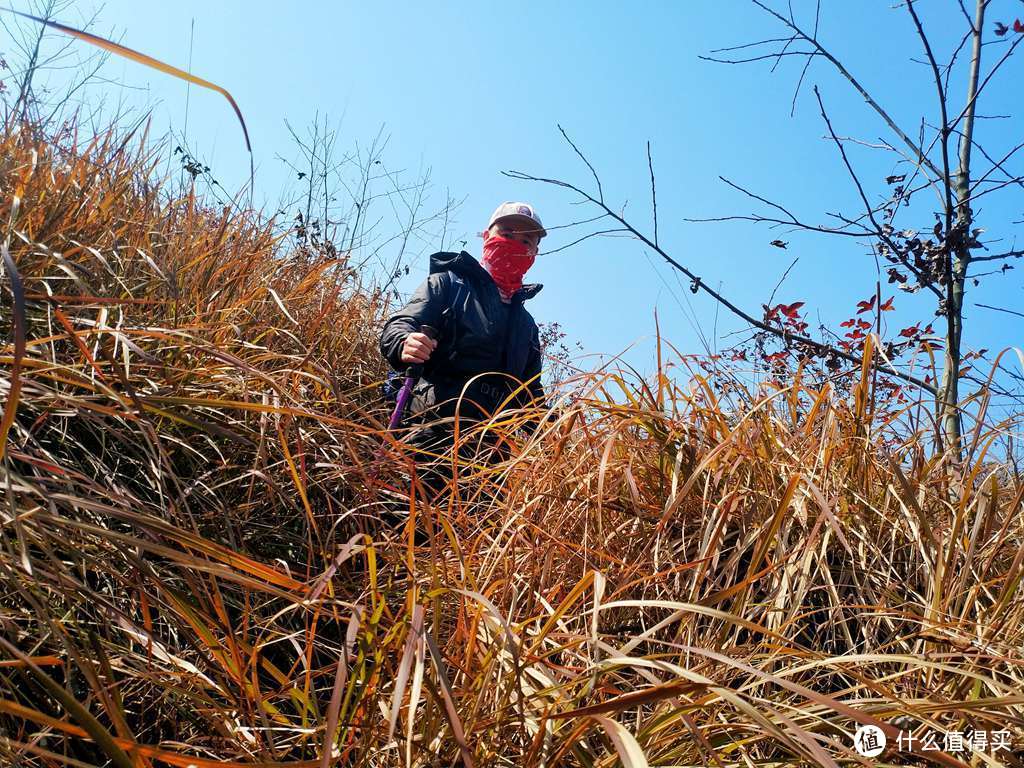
507,261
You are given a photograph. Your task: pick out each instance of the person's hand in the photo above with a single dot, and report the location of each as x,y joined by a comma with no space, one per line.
417,348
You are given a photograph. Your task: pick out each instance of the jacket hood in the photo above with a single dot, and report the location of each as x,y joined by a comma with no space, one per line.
469,268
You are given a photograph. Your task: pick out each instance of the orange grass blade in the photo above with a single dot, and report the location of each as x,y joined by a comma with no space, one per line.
103,738
11,406
634,699
39,661
168,758
140,58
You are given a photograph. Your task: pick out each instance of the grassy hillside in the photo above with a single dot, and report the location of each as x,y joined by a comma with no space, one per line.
194,573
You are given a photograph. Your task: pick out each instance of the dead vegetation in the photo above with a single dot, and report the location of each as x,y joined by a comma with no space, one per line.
193,573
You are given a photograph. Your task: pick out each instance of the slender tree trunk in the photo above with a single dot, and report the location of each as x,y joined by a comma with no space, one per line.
958,253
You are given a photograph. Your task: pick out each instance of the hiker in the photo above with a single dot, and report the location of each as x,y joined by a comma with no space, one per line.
477,308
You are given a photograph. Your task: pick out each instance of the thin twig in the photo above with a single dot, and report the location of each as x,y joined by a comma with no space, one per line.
581,239
782,280
751,45
970,103
600,192
922,159
944,129
1000,309
756,58
807,64
996,257
654,196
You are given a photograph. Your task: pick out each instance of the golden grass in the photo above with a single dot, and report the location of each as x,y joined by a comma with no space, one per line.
193,572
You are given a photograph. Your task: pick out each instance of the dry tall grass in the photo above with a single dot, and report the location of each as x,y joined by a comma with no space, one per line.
193,573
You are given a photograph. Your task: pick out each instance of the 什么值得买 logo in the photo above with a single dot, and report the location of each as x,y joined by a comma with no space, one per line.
869,740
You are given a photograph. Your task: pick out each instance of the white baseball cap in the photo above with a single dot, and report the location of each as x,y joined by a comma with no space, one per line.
523,211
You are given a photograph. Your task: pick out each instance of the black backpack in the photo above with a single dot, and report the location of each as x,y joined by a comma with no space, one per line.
395,379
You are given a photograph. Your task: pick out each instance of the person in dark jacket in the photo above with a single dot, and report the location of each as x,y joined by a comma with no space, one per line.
489,344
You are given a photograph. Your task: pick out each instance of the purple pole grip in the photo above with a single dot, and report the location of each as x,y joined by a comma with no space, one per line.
403,399
406,391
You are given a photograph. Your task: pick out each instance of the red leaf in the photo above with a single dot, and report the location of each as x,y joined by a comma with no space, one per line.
865,306
776,357
847,324
790,310
1017,26
911,332
887,307
863,324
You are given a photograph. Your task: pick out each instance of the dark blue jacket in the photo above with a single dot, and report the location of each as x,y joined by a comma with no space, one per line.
485,336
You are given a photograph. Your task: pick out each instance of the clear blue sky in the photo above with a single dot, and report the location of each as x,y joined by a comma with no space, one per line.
473,89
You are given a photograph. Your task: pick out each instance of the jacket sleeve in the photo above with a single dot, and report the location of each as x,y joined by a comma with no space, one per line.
424,307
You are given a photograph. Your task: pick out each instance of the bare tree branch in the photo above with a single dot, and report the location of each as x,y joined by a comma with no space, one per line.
1001,309
996,164
576,223
1014,182
697,284
944,130
922,159
998,256
963,9
807,64
752,59
879,231
969,106
753,45
600,192
586,237
791,221
956,52
654,197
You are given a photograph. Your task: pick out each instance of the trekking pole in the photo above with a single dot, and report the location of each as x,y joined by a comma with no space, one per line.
414,372
404,395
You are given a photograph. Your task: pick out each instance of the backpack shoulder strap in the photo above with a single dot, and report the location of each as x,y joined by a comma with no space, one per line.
459,284
456,290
